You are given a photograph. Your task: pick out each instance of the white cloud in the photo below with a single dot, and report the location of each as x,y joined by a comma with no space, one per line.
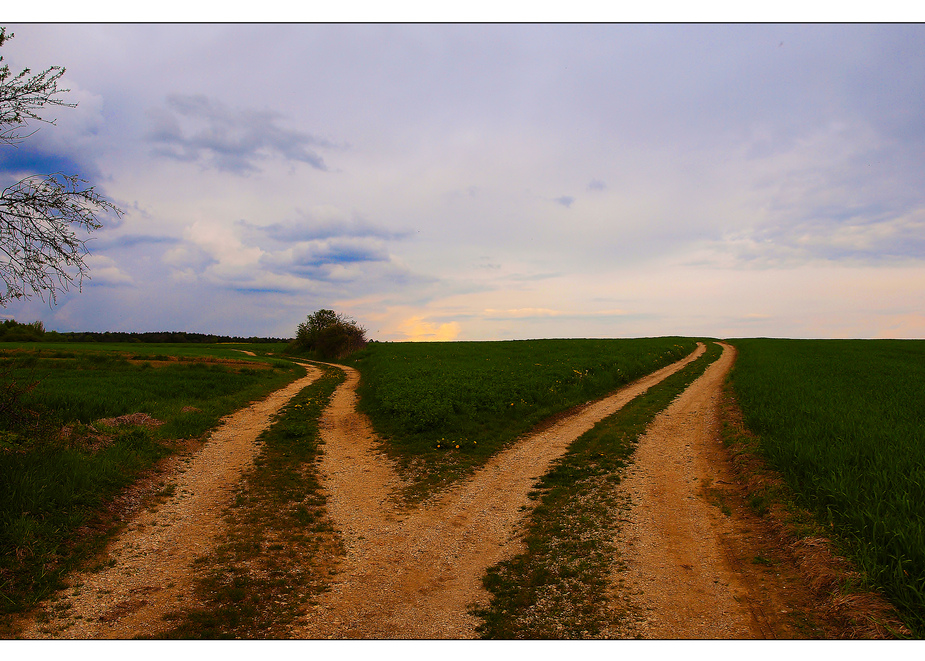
105,272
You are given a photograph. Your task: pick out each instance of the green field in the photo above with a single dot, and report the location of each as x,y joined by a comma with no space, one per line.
840,419
59,466
843,421
86,382
449,406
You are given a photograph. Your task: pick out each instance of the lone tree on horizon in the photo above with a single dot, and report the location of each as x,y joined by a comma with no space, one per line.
329,335
40,215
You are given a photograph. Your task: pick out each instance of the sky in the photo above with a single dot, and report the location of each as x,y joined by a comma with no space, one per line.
491,181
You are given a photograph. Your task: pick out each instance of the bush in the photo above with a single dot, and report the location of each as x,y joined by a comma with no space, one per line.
328,335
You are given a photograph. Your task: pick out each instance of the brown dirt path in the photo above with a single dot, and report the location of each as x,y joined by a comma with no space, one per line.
150,572
688,565
412,574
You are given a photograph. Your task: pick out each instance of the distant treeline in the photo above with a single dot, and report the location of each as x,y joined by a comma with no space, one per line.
12,331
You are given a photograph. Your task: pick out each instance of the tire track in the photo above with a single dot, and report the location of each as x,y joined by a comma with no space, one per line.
150,571
685,545
412,574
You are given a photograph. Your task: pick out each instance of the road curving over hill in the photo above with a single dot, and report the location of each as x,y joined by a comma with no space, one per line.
414,573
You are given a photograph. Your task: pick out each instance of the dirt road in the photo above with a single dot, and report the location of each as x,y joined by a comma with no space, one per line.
150,572
412,574
693,561
685,569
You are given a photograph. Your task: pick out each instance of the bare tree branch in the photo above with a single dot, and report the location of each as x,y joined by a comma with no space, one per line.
39,220
41,215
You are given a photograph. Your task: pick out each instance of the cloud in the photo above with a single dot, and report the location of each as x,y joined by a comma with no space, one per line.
597,185
105,272
519,313
871,237
322,223
194,128
325,244
307,257
68,141
713,167
132,241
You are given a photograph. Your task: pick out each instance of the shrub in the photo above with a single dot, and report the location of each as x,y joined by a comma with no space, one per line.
329,335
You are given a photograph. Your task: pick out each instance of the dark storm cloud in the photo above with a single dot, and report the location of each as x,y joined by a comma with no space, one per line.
199,129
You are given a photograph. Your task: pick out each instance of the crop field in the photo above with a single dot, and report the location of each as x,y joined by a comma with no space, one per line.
451,405
96,381
59,464
842,420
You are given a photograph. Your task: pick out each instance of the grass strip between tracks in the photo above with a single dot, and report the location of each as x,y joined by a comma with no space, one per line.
556,587
271,560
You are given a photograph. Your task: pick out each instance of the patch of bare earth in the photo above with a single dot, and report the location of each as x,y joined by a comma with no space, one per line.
148,572
414,573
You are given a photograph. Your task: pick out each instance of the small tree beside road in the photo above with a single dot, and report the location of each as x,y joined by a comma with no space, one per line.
329,335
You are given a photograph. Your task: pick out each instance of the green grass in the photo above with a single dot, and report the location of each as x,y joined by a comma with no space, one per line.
166,349
83,385
446,407
842,422
273,558
557,587
54,489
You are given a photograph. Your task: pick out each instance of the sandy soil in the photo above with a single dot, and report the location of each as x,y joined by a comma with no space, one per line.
412,574
150,569
694,562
